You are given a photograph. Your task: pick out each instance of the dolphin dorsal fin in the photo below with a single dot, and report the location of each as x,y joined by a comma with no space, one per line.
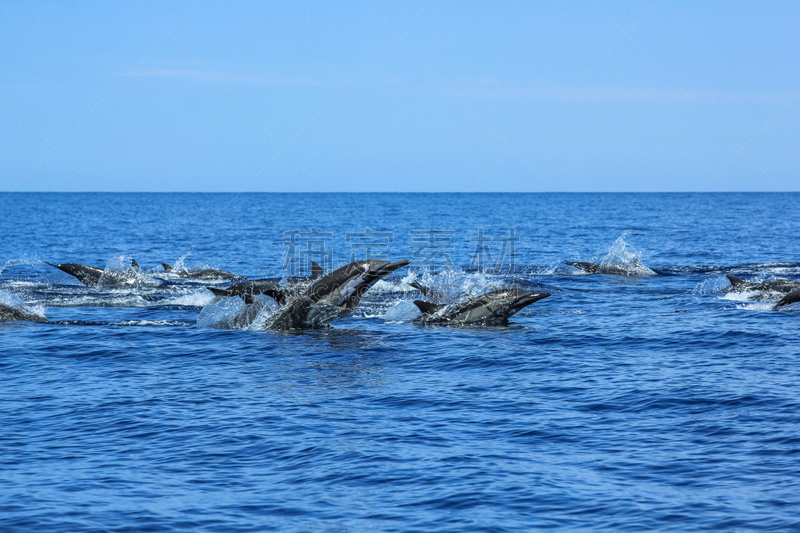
167,268
734,280
427,308
316,270
421,288
134,264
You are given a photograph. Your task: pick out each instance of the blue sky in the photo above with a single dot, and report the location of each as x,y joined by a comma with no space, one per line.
471,96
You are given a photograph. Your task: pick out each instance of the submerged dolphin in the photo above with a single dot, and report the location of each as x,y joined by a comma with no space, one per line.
269,286
87,275
783,286
333,296
635,269
201,273
494,307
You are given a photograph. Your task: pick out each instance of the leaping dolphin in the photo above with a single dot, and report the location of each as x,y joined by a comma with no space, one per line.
494,307
87,275
333,296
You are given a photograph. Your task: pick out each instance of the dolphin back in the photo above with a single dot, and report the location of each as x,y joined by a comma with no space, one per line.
792,297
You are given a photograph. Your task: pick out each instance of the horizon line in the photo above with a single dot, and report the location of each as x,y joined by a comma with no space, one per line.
399,192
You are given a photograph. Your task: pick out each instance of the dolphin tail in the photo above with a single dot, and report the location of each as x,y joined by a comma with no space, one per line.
427,308
421,288
167,268
316,270
734,280
218,292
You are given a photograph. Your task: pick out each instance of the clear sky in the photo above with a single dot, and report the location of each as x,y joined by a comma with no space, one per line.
471,96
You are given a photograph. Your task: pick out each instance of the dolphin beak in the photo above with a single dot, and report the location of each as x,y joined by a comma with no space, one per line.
397,264
56,266
387,269
528,299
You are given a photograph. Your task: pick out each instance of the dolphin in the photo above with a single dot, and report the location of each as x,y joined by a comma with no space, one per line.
13,314
201,273
790,298
87,275
635,269
784,286
333,296
269,286
494,307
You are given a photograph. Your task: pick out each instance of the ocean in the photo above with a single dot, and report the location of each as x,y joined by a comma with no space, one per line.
643,402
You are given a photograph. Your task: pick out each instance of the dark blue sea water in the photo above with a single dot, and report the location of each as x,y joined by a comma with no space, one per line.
619,403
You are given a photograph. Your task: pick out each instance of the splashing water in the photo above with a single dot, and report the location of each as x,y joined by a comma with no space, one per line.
12,301
119,272
402,311
621,254
233,313
711,285
451,285
220,315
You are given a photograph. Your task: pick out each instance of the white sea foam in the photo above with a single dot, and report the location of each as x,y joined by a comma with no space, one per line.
757,306
743,296
201,298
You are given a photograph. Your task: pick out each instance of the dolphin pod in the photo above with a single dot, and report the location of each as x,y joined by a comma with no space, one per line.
333,296
329,298
317,300
90,276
